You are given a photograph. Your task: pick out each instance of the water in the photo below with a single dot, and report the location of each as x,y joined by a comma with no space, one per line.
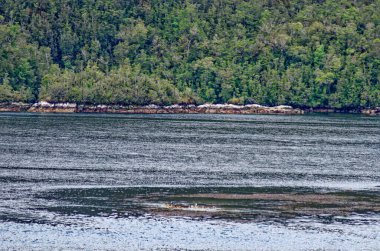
113,182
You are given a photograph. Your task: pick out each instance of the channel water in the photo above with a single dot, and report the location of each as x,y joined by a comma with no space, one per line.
205,182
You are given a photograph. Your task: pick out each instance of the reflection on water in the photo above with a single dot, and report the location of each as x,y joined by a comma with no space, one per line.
205,181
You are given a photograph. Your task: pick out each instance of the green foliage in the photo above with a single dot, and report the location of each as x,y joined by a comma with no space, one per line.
22,64
7,94
125,85
299,52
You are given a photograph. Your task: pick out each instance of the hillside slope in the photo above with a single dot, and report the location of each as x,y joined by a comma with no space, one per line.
304,53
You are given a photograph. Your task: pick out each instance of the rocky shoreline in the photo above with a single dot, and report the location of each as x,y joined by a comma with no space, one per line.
45,107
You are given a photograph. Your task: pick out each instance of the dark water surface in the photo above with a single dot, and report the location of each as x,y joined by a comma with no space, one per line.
127,182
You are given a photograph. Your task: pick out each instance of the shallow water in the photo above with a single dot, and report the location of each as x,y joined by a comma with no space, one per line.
189,181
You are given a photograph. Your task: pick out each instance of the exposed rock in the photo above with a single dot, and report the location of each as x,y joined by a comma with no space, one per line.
65,105
372,112
283,107
254,106
44,106
14,107
174,107
152,106
231,106
205,106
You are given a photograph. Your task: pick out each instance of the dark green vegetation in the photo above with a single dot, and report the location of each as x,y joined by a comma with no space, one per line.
305,53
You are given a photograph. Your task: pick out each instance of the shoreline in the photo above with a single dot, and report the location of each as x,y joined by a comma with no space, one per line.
45,107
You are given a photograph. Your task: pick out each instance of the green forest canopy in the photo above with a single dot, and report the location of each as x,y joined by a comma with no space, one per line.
304,53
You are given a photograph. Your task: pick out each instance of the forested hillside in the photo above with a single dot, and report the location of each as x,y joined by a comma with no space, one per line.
305,53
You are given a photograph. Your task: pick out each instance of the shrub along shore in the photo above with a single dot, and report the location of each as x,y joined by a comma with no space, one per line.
45,107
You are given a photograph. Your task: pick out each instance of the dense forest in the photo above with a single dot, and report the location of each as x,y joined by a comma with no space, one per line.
304,53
